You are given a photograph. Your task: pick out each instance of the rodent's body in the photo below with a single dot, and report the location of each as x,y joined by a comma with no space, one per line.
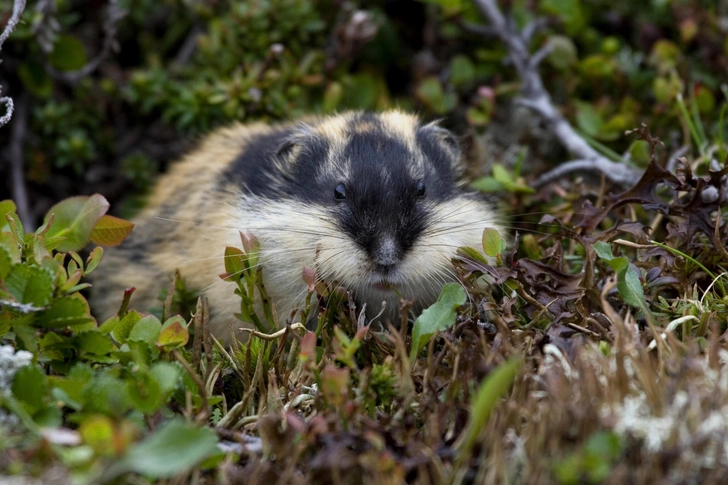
369,200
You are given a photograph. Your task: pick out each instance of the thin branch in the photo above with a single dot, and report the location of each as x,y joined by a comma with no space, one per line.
532,28
188,46
18,7
16,156
620,171
536,97
114,13
9,107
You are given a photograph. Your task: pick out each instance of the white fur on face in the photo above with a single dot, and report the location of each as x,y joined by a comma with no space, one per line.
293,237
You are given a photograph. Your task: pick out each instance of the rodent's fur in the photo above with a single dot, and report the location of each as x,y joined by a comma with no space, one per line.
373,201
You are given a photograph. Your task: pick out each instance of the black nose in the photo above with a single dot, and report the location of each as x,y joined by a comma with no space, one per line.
385,270
386,254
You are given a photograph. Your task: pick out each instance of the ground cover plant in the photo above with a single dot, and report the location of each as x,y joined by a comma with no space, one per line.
592,351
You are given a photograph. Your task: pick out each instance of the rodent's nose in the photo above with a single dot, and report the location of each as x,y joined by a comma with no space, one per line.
386,254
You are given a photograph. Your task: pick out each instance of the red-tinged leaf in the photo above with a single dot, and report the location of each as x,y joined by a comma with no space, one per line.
111,231
308,347
335,385
174,333
309,277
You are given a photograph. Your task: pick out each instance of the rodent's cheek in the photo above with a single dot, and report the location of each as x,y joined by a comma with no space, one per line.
342,260
453,224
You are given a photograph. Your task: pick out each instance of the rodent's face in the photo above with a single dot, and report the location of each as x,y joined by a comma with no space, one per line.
388,186
377,197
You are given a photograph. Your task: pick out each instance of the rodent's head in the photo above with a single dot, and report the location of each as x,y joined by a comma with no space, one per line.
385,191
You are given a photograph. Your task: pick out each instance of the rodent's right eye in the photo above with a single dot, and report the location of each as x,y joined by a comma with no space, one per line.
340,192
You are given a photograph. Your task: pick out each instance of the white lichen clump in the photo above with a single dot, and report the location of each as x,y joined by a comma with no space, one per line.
694,420
10,362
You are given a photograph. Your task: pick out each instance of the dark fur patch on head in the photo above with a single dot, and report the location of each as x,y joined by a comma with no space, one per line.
282,163
390,179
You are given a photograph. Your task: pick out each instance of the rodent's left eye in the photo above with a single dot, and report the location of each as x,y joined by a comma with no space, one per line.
340,192
420,189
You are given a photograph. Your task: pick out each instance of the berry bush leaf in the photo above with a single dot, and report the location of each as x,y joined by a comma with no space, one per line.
111,231
440,316
174,449
75,219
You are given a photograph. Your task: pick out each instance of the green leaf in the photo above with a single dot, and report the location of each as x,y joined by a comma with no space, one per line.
462,70
73,383
570,12
145,392
234,261
10,244
630,287
167,375
492,242
588,119
491,390
472,254
174,449
487,184
107,394
35,79
147,330
30,387
66,311
93,260
430,92
94,342
628,276
174,333
6,207
6,319
5,263
111,231
508,182
68,54
75,219
440,316
603,250
563,52
123,328
16,228
30,284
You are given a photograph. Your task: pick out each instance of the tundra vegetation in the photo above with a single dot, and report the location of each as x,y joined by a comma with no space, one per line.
593,350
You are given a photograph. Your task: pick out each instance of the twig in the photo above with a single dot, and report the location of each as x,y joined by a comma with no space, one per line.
16,156
114,13
273,336
188,46
535,96
205,412
9,107
18,7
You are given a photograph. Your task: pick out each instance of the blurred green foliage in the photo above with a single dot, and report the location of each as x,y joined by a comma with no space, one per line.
111,88
182,68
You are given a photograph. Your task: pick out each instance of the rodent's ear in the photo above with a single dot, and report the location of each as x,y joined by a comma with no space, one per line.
294,143
445,140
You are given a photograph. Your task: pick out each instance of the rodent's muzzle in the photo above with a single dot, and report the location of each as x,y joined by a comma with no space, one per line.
385,255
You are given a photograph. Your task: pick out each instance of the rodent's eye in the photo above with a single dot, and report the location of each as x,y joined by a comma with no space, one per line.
340,192
420,189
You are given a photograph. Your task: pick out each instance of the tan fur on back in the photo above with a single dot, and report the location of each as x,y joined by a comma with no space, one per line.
195,212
